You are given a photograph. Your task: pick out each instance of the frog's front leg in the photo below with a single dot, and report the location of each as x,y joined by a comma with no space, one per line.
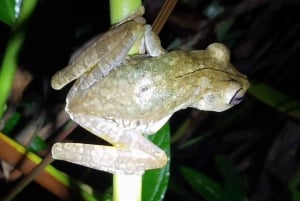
131,152
152,43
104,54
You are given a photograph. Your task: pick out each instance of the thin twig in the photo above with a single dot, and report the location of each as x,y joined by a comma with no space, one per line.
39,168
163,15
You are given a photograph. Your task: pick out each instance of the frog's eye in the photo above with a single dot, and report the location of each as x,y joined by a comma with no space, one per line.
219,52
237,97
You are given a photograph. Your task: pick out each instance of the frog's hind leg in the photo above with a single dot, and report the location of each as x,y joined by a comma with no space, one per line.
111,159
131,152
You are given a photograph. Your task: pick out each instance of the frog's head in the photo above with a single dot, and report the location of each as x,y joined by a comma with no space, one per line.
221,85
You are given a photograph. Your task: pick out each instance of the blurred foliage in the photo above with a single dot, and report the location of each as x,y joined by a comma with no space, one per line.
259,138
11,123
15,14
211,190
155,182
7,12
275,99
37,144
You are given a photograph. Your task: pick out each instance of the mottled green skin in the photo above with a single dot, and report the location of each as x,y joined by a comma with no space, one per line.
119,99
150,88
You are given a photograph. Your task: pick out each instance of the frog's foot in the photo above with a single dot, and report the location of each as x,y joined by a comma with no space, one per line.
108,158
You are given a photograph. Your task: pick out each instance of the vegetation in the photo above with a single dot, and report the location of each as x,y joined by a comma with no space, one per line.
250,152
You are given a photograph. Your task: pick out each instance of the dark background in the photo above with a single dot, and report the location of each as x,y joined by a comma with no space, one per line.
261,141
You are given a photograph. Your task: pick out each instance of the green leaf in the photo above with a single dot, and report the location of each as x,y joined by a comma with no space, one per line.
37,144
11,123
208,188
275,99
8,67
7,12
107,195
294,186
155,182
10,57
235,188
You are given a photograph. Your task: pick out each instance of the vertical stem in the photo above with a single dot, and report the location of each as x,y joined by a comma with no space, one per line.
125,187
121,9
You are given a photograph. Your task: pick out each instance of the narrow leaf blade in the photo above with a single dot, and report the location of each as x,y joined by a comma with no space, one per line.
208,188
7,12
155,182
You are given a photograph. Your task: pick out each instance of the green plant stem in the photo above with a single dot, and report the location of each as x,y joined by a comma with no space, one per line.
125,187
121,9
33,167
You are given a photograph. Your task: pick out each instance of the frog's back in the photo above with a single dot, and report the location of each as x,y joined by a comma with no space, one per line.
151,88
139,88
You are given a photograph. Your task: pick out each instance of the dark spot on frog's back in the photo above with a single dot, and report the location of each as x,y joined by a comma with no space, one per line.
141,90
145,88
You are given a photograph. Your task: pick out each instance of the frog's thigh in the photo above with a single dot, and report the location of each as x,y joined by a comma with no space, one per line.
132,153
106,158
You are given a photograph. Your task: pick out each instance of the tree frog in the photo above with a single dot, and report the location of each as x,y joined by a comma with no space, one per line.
122,98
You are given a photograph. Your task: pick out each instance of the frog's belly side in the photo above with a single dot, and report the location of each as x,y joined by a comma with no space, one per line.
95,124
